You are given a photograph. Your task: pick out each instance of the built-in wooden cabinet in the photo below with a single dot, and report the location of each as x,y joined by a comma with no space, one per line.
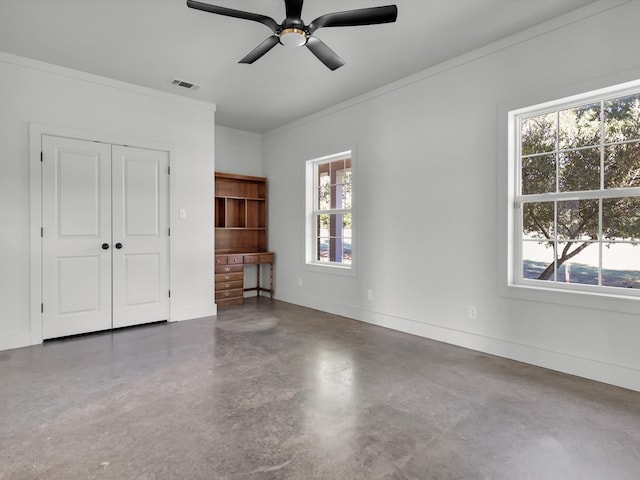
240,235
241,213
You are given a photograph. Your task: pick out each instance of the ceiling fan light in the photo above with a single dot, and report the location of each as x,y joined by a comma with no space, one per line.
293,37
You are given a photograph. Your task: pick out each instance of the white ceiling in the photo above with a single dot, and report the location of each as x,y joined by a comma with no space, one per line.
147,42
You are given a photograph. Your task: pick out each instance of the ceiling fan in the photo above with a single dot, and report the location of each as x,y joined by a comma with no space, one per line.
293,32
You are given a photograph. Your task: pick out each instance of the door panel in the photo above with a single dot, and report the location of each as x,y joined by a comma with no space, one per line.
143,280
78,193
79,297
76,215
140,225
141,196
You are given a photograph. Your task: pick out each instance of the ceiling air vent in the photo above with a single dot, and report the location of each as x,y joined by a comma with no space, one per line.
183,83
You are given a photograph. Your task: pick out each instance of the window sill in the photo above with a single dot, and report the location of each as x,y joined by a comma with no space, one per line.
330,269
589,300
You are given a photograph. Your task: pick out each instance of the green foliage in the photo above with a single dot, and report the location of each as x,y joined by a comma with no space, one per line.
621,218
335,196
561,152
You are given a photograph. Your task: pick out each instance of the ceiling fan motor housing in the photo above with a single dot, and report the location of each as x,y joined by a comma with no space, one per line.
293,37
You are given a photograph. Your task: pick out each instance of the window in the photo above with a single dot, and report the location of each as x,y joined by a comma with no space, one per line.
329,208
576,215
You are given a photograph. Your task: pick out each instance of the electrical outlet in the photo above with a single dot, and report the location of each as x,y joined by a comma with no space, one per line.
369,294
473,313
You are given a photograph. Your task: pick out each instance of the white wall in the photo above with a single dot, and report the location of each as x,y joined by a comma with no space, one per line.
35,92
430,198
238,151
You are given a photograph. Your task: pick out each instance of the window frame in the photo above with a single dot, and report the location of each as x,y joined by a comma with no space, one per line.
312,213
554,291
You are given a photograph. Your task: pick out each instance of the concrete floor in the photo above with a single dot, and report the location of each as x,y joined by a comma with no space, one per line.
276,391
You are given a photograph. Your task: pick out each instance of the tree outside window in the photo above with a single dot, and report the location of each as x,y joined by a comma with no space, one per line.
579,193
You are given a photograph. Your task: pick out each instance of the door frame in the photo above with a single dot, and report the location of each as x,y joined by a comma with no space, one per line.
36,131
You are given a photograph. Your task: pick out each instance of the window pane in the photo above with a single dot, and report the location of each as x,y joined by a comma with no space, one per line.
346,225
347,167
346,189
539,174
322,249
324,192
334,249
334,184
334,238
622,119
336,225
538,134
537,220
537,260
341,194
621,265
580,126
582,267
622,165
322,228
579,170
346,250
621,218
336,167
578,219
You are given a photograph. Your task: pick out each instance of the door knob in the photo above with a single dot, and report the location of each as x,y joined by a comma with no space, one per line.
105,246
118,245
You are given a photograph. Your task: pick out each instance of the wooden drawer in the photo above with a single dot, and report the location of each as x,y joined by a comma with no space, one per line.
228,268
228,285
228,277
229,301
235,259
251,258
221,259
228,294
268,258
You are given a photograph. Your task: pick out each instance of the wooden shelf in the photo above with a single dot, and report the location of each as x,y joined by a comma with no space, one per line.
240,233
240,186
241,213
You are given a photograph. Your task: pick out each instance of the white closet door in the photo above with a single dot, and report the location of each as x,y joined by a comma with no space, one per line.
140,236
76,212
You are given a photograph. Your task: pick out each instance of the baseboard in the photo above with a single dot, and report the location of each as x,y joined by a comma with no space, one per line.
617,375
189,312
15,340
23,339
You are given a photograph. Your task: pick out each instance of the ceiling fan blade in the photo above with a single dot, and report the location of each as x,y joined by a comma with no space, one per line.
324,53
261,49
353,18
230,12
294,9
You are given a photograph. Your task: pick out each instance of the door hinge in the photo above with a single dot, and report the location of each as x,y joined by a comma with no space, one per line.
169,293
42,308
168,232
41,232
41,156
168,170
